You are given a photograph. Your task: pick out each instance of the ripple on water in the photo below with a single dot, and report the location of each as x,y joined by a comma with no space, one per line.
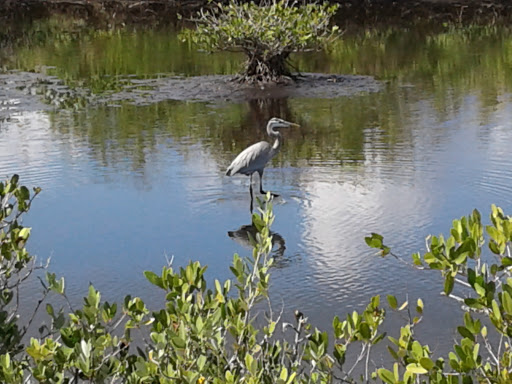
27,148
497,163
341,205
201,177
497,183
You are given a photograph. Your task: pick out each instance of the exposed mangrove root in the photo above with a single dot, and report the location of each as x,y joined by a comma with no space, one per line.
261,71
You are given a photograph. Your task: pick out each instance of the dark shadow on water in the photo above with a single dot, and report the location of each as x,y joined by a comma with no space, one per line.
243,237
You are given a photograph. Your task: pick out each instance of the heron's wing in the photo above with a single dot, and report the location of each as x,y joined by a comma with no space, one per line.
251,159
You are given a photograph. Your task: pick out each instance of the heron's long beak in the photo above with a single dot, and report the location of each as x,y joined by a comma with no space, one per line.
293,125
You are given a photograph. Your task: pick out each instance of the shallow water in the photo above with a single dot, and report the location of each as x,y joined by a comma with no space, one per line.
126,186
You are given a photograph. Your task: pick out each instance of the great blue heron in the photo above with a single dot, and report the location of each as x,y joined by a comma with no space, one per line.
254,158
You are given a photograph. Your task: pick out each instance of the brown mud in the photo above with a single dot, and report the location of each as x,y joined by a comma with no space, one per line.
224,88
27,91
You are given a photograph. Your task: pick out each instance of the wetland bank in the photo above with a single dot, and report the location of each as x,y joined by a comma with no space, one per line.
132,175
111,14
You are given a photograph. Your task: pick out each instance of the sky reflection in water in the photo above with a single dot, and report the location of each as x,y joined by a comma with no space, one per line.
125,187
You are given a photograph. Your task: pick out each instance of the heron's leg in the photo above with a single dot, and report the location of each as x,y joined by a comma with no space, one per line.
261,182
261,186
250,190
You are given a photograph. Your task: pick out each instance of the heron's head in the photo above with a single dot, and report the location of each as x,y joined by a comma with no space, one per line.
276,122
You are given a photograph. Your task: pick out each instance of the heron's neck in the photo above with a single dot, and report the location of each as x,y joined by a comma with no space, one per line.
277,143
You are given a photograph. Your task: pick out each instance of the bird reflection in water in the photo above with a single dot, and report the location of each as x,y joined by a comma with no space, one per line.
241,236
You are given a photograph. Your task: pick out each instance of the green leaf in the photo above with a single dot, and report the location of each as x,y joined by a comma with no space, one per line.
6,360
479,290
93,298
496,311
154,279
291,378
251,364
85,348
416,349
506,261
14,179
284,374
24,233
393,353
392,301
506,300
178,342
494,248
258,222
24,193
427,363
416,259
396,372
466,333
419,306
471,276
201,361
386,376
429,258
374,240
449,280
385,251
365,330
416,369
339,353
461,259
473,303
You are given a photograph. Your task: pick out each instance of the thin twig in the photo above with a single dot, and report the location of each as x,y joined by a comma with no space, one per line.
367,362
358,360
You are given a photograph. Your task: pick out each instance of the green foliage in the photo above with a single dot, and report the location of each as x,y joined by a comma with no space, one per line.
228,332
15,262
486,281
267,34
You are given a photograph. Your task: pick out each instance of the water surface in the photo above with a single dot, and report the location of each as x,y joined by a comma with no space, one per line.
125,187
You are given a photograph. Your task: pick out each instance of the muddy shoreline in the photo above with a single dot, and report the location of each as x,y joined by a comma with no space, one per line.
356,13
29,91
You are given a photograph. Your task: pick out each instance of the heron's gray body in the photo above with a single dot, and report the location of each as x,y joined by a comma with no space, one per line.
255,158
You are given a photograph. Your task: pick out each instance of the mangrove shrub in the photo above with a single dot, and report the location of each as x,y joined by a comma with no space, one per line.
267,33
16,264
229,331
